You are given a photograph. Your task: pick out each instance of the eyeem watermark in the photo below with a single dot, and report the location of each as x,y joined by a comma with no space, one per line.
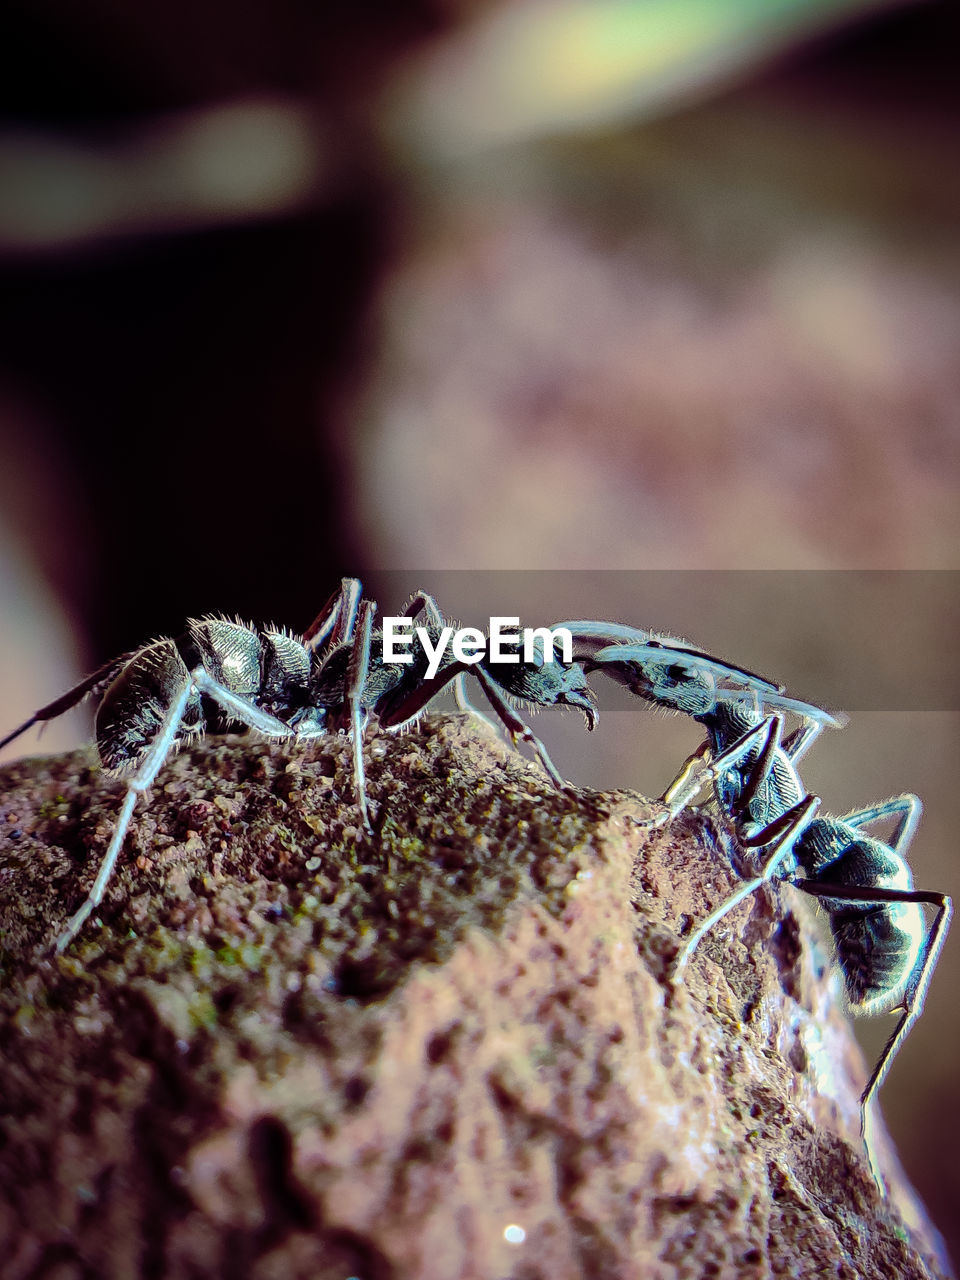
469,644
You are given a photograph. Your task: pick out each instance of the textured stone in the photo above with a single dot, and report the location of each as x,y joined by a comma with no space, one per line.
453,1051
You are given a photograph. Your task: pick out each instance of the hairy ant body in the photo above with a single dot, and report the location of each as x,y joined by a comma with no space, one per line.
884,947
225,675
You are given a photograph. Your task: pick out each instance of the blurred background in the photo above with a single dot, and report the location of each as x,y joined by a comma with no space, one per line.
663,287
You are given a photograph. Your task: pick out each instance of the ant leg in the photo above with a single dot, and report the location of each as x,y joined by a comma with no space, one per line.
337,623
394,714
145,774
358,669
909,808
682,791
101,677
424,603
915,992
464,703
336,620
687,785
758,772
798,743
783,833
239,708
518,730
149,767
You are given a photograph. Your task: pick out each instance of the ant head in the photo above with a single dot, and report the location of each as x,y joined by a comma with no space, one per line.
676,684
583,698
658,675
548,684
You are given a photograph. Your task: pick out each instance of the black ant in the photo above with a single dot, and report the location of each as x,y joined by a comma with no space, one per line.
225,675
884,948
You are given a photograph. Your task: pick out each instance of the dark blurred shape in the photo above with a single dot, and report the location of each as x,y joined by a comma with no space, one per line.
211,220
184,380
92,66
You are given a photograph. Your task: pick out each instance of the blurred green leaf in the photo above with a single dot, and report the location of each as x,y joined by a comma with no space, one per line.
546,67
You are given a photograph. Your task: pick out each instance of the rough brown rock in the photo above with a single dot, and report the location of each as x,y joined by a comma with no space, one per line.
290,1052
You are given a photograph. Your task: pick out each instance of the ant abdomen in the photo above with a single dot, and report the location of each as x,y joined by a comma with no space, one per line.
876,951
132,709
876,943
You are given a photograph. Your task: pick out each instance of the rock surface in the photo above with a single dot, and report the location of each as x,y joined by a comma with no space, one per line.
454,1051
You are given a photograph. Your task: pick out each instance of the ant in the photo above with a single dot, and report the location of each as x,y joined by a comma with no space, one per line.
884,948
224,675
